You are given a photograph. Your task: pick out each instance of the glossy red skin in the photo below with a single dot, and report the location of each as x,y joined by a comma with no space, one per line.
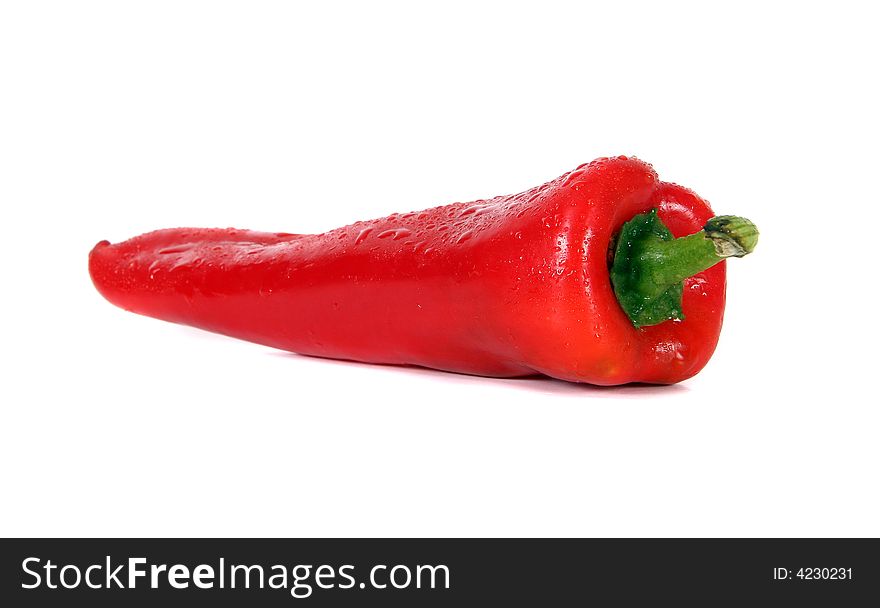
512,286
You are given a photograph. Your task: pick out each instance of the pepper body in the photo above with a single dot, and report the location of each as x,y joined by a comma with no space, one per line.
511,286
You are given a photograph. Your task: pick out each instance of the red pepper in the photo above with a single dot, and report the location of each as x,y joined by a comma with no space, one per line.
577,279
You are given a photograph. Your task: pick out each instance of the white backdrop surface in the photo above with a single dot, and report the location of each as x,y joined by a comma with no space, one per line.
118,117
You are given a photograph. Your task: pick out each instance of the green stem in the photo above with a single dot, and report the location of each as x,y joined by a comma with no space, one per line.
650,265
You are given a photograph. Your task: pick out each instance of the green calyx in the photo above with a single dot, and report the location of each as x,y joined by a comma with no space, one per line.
650,265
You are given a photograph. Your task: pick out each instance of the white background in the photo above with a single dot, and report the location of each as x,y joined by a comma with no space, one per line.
120,117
